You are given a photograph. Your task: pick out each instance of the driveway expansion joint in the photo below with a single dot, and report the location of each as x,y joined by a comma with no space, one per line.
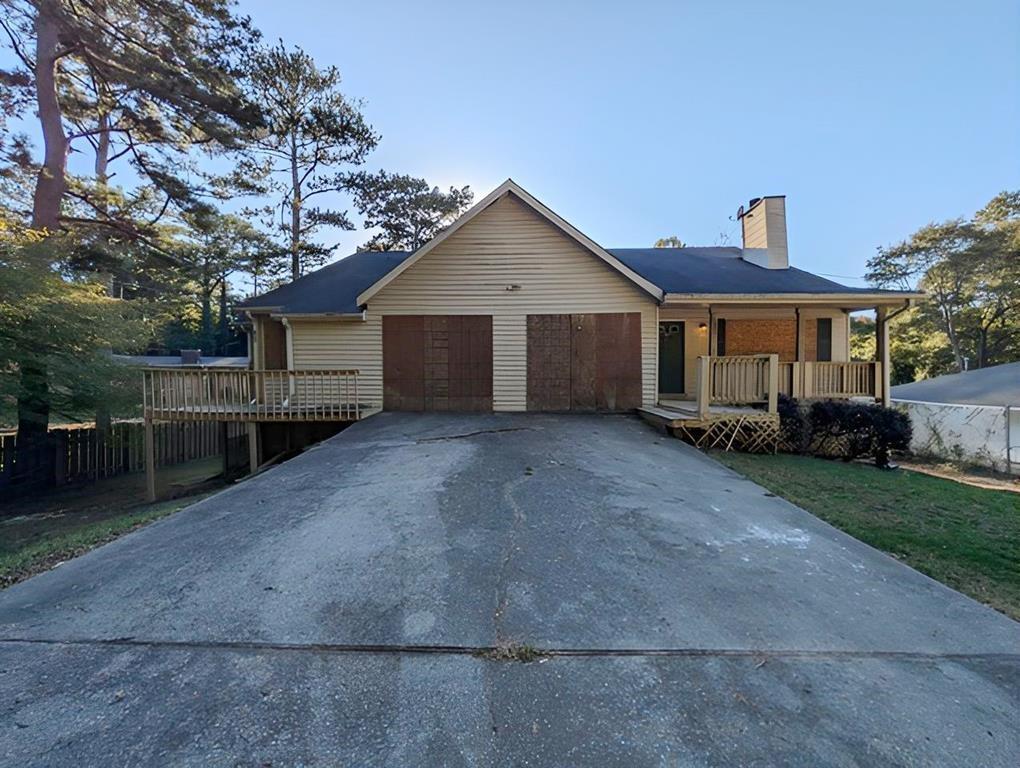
493,651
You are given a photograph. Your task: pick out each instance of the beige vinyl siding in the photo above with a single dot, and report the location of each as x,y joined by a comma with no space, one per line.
509,362
342,344
506,245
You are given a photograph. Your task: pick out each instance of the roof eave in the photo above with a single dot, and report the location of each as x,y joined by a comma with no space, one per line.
865,300
319,315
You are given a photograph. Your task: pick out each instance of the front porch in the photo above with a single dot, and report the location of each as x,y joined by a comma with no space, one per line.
748,354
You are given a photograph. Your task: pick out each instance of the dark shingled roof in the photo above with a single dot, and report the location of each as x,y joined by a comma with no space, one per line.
332,289
335,288
721,270
998,385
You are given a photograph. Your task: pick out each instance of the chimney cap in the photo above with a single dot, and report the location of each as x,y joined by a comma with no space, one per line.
754,202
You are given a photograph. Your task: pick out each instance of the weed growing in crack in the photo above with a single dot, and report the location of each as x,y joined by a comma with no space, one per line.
521,652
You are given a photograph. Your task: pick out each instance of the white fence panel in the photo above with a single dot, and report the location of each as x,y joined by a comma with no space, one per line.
979,434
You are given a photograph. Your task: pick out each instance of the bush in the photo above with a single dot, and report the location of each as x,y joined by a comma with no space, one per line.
851,430
794,427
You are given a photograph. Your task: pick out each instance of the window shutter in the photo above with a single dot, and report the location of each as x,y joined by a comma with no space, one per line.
824,339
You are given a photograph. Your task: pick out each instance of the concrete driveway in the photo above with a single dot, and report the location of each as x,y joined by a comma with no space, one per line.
327,611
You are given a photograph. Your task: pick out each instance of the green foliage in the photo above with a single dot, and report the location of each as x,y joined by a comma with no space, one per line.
970,270
670,242
61,326
407,210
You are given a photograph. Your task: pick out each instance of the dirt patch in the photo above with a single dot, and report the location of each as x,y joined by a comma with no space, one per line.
973,476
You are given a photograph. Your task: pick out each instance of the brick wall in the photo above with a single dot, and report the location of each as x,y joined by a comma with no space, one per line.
762,337
810,339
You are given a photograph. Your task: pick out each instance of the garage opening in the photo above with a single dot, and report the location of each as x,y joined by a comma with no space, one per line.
584,362
437,363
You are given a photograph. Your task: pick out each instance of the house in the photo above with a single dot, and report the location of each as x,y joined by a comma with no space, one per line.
972,416
512,308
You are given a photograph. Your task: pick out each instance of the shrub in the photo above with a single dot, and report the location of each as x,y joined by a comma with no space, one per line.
851,430
794,427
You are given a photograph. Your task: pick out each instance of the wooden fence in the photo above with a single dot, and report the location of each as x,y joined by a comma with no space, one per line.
80,454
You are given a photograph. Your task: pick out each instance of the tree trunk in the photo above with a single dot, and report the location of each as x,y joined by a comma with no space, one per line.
34,393
208,345
50,183
33,416
224,328
954,341
295,211
103,420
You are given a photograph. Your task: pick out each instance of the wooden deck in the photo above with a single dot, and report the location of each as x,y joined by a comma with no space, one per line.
251,396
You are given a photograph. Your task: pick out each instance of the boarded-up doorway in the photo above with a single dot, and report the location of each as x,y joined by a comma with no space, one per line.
584,362
437,363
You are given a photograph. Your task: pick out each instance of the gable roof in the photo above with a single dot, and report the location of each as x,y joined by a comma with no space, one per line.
724,271
998,385
707,274
332,290
511,187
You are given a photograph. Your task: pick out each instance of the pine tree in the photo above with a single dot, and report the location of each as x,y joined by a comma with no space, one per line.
313,136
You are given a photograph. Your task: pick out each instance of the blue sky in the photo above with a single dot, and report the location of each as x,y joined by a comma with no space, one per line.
637,120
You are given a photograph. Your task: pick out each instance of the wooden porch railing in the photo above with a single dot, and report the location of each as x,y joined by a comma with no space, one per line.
756,379
841,379
737,380
190,394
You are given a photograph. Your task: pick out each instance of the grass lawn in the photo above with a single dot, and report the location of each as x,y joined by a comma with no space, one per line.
966,537
30,545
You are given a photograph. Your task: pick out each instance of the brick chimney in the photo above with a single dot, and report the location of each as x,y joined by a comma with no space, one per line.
763,225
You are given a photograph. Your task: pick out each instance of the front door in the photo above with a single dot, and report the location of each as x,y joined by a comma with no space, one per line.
671,358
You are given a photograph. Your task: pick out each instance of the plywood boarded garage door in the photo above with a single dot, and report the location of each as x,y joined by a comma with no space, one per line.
584,362
437,363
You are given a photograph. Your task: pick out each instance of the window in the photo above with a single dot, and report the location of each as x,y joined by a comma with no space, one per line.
824,345
720,337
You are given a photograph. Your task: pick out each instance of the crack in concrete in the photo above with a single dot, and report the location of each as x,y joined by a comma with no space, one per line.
502,592
755,654
494,431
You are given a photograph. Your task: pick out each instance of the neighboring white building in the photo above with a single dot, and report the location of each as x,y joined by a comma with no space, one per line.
972,416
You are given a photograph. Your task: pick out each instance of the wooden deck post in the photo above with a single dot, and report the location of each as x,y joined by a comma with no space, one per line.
150,461
253,446
704,385
773,383
807,389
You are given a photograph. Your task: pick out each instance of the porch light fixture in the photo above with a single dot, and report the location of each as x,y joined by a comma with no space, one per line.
702,326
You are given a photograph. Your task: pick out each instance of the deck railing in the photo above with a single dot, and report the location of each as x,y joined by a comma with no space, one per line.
759,379
841,379
737,380
202,394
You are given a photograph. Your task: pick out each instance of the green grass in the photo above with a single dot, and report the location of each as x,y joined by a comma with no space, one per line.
48,549
965,537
